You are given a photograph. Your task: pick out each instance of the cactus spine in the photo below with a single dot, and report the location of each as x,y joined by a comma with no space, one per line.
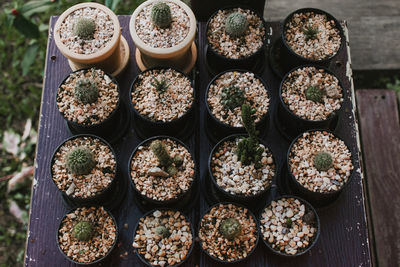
161,15
84,28
80,161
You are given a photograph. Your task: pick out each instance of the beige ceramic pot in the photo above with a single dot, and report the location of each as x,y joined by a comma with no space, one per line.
181,56
112,57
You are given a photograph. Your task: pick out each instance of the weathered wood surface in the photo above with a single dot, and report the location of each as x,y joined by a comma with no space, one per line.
344,237
380,135
374,27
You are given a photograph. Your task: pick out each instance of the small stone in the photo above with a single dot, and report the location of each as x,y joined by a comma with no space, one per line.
158,172
70,189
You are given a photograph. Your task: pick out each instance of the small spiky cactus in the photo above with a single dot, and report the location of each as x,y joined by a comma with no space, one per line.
161,15
230,228
248,149
288,223
80,160
314,93
84,28
310,32
236,24
162,154
232,97
162,231
83,231
160,85
86,91
323,161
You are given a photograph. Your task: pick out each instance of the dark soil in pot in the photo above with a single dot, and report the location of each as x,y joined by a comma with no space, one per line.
289,226
320,165
87,235
162,171
309,97
228,233
163,237
84,169
235,37
163,102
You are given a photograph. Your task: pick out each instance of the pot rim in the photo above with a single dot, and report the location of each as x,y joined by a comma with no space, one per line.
163,52
103,52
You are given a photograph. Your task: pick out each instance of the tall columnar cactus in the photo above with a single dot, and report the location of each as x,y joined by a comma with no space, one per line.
80,160
162,231
83,231
310,32
248,149
165,160
230,228
323,161
84,28
314,93
232,97
236,24
161,15
86,91
160,85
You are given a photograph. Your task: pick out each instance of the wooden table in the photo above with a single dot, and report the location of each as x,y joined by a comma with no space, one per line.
344,235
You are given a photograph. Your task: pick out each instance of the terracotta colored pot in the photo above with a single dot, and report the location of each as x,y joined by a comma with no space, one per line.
112,58
181,56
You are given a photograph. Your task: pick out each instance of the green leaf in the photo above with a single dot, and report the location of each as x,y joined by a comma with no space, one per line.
26,27
29,57
112,4
33,7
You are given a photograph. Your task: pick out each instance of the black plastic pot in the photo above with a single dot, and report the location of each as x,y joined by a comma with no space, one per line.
141,257
309,207
217,62
217,129
112,128
249,201
180,127
182,200
93,262
255,245
291,125
290,59
318,199
107,197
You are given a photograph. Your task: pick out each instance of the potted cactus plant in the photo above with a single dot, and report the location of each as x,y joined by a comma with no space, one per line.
235,237
314,102
241,167
162,171
289,226
89,101
225,95
84,169
235,36
89,35
87,235
320,165
163,237
163,32
163,101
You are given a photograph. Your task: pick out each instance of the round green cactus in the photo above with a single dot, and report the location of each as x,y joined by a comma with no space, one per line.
323,161
232,97
161,15
83,231
85,28
236,24
80,160
314,93
162,231
230,228
86,91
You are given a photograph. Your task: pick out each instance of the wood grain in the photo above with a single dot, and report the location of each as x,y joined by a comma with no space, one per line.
344,237
380,135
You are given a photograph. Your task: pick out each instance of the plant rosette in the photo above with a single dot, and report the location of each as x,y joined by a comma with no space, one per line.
84,168
228,91
320,164
236,33
87,235
235,179
312,35
289,226
162,99
162,170
163,238
89,35
164,32
228,233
